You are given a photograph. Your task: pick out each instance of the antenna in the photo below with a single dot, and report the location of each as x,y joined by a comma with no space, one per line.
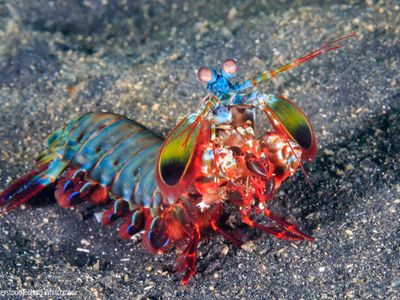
272,73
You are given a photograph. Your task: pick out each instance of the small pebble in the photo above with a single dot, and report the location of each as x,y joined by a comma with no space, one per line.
232,14
348,232
249,246
224,250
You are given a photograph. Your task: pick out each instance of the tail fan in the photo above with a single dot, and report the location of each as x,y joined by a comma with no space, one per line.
30,185
23,189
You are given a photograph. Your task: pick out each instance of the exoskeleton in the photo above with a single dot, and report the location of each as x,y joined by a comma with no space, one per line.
172,190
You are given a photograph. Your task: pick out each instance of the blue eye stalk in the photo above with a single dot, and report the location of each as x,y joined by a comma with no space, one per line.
219,84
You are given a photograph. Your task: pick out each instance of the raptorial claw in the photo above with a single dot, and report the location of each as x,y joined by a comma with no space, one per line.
256,167
191,254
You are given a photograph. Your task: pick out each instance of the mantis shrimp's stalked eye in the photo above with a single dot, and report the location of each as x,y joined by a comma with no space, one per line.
229,68
206,75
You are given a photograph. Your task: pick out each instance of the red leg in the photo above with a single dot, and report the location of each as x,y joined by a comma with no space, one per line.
280,234
228,236
132,224
286,225
116,210
190,254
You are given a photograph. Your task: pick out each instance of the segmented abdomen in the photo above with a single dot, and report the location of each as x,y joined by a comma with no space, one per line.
113,151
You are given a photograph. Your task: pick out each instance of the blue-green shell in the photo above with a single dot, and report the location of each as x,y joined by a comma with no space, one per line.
113,151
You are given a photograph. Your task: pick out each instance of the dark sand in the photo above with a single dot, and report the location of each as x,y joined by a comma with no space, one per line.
59,59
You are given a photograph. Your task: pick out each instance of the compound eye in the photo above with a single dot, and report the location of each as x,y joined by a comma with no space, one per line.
205,74
230,66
